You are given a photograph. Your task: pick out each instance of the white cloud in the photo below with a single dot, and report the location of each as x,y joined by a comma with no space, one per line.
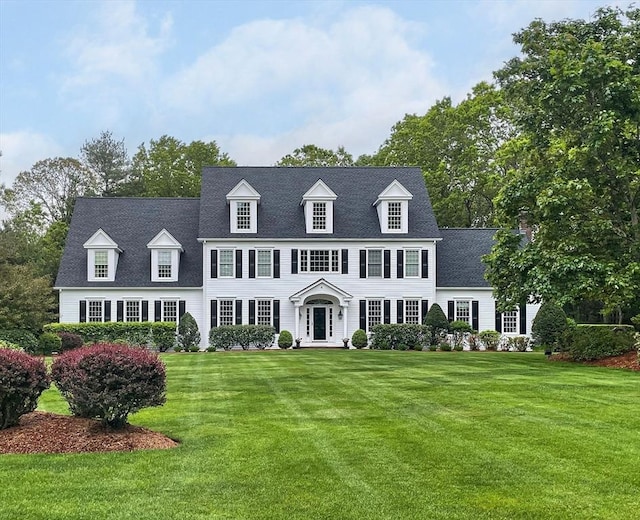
21,150
345,83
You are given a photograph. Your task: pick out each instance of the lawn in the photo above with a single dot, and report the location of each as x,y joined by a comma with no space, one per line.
358,435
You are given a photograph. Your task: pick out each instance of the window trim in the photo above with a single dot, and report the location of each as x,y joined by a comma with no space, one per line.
418,310
88,316
516,322
457,316
163,310
381,251
233,311
233,262
418,262
304,261
379,301
257,311
257,267
125,312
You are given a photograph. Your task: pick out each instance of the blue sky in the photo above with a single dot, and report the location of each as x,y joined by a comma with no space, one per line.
259,77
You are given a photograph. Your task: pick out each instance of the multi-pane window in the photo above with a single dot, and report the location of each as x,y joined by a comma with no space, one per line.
412,311
132,310
225,314
394,215
412,263
95,310
374,262
263,314
164,264
374,314
243,215
510,322
101,264
463,310
169,310
319,216
226,263
319,261
264,263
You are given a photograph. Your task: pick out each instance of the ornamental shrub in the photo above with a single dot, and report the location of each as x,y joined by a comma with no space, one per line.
49,343
69,341
9,345
437,323
22,379
445,346
359,339
518,343
285,340
188,332
108,382
459,331
474,342
246,336
549,325
23,338
592,342
490,339
398,336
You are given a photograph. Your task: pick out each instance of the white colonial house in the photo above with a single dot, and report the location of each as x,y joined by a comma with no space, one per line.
320,252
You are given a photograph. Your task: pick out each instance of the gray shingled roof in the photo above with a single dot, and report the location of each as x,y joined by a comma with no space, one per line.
459,256
281,188
132,223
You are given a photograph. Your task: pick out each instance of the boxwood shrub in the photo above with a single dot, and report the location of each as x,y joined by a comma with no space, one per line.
49,343
246,336
359,338
22,379
109,382
593,342
400,336
285,339
158,334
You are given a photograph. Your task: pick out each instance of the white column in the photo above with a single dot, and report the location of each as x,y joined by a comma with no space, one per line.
345,317
297,320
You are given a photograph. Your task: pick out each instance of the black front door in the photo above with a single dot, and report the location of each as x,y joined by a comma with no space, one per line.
319,323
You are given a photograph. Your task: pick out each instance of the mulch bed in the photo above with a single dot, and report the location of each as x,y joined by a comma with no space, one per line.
42,432
629,361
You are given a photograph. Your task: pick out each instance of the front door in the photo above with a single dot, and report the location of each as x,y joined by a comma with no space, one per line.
319,323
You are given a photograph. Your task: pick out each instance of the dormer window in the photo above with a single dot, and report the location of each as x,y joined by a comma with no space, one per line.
165,257
102,257
318,208
393,208
243,203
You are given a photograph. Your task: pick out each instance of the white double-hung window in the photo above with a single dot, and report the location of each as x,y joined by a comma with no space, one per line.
165,257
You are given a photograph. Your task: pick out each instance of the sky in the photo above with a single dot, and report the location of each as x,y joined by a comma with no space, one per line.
261,78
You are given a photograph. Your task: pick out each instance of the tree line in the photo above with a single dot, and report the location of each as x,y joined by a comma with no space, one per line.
553,145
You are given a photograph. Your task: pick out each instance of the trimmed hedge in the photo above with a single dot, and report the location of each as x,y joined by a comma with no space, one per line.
285,339
228,336
593,342
401,336
109,382
22,379
359,339
159,334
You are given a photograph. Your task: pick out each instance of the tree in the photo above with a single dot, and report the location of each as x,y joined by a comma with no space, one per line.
575,97
457,149
52,185
107,158
171,168
312,155
437,324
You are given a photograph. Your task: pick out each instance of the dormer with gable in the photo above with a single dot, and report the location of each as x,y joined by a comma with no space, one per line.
165,257
102,257
393,208
243,202
318,208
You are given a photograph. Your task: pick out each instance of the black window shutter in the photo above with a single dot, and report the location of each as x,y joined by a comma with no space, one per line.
107,310
400,263
425,263
276,315
451,311
238,263
345,261
400,312
363,314
252,263
294,261
120,310
387,311
182,308
145,310
363,263
238,312
214,313
83,311
475,318
498,324
214,263
157,310
424,310
523,318
276,263
252,312
387,263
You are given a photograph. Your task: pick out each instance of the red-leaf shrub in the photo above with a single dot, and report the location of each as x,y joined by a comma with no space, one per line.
22,379
70,341
109,382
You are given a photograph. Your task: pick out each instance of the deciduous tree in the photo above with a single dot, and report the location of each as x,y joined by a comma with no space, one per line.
312,155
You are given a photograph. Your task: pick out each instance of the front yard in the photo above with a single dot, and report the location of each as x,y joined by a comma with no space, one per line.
355,435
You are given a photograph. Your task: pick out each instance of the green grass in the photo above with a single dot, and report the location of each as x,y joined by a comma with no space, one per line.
358,435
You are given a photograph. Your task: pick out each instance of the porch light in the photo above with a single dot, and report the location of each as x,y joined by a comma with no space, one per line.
340,314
